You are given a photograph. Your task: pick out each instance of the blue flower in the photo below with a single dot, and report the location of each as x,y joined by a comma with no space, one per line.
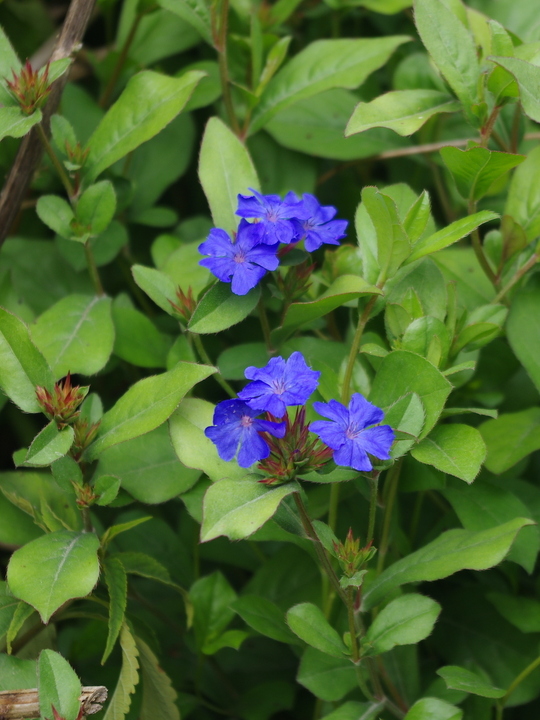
274,215
351,432
244,260
279,384
236,425
316,226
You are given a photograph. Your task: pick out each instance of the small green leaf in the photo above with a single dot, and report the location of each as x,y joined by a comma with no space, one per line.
527,76
96,207
128,679
158,286
116,580
58,686
65,563
57,214
220,308
159,696
211,597
136,339
236,508
195,12
475,170
265,617
455,449
50,445
14,123
405,621
458,678
106,487
510,438
450,234
115,530
430,708
309,623
523,202
523,329
328,678
404,111
20,615
146,405
8,605
225,170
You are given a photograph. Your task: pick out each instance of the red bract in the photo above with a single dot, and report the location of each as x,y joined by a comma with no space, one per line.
30,87
186,303
62,404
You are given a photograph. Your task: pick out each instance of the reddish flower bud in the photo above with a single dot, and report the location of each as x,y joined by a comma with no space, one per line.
62,404
351,556
30,87
85,433
186,304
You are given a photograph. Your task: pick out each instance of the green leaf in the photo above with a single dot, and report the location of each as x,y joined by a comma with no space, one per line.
49,445
195,12
451,47
455,449
96,207
149,102
128,679
352,710
158,286
158,696
14,123
458,678
137,340
404,111
309,623
510,438
234,360
450,234
344,289
116,579
21,614
65,563
393,246
148,467
76,335
194,449
17,674
106,487
220,308
523,329
211,597
135,563
57,214
146,405
523,202
402,372
484,506
58,686
236,508
225,170
265,617
115,530
527,76
328,678
452,551
229,639
322,65
522,612
22,366
430,708
405,621
475,170
9,61
8,605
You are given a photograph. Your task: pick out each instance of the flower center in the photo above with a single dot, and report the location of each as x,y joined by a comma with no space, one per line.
352,431
246,421
279,386
239,257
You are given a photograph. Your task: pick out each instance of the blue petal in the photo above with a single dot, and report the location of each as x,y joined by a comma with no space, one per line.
245,277
252,448
378,440
333,410
226,439
364,413
351,454
330,433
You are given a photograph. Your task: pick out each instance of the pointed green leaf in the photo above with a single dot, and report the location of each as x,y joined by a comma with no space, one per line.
159,696
430,708
328,678
211,597
309,623
458,678
58,686
523,329
57,214
405,621
96,207
128,679
14,123
450,234
20,615
455,449
220,308
510,438
116,580
195,12
158,286
527,76
475,170
50,445
265,617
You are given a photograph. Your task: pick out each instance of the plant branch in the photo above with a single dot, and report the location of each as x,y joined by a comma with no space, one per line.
221,47
206,359
107,93
66,182
531,262
374,487
392,479
362,320
479,250
92,269
30,150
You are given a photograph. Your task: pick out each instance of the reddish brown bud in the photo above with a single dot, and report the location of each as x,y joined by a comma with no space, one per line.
30,87
85,433
186,304
85,496
62,404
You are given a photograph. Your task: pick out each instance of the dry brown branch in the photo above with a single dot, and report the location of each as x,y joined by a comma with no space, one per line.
24,704
30,150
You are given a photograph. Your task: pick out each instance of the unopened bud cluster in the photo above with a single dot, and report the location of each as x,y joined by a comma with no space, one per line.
186,304
30,88
352,559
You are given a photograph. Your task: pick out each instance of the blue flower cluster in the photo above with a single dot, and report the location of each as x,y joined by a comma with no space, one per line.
246,257
351,432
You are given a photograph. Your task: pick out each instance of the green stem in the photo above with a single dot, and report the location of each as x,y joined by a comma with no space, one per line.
333,508
531,262
92,268
363,685
221,47
486,131
319,549
265,326
479,250
374,486
393,480
107,93
514,135
362,320
520,678
352,624
87,520
66,182
206,359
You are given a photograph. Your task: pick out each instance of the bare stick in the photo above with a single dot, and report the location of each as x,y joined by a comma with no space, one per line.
24,704
31,149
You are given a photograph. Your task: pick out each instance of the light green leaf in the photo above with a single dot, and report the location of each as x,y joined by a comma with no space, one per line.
393,246
405,621
76,334
452,551
8,605
475,170
158,286
510,438
106,487
57,214
15,673
128,679
236,508
523,329
265,617
211,597
404,111
195,12
450,234
194,449
225,170
149,102
527,77
58,686
523,202
458,678
328,678
136,339
323,65
146,405
96,207
9,61
430,708
14,123
230,639
455,449
309,623
65,563
352,710
220,308
116,579
523,612
22,613
115,530
49,445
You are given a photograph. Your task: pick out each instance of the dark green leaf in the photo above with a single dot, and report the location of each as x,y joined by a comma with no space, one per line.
116,579
58,686
475,170
220,308
455,449
309,623
405,621
510,438
459,678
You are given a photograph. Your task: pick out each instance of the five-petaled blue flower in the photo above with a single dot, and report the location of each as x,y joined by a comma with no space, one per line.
243,261
316,226
351,433
274,215
236,425
279,384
